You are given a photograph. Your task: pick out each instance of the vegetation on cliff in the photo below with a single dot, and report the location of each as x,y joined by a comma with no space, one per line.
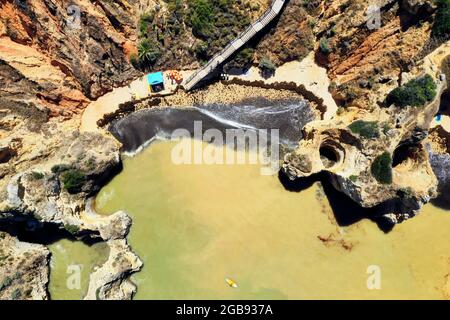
267,67
212,23
415,93
325,46
73,180
382,168
182,32
441,27
366,129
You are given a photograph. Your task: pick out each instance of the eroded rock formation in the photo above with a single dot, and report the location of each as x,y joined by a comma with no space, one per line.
52,66
24,269
348,154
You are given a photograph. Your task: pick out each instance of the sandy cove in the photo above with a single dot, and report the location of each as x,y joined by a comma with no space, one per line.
305,73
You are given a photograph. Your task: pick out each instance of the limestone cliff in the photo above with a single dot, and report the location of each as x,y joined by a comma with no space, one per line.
55,56
53,62
62,53
366,64
24,269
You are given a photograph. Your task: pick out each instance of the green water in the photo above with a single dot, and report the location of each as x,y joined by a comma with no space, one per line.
68,259
196,225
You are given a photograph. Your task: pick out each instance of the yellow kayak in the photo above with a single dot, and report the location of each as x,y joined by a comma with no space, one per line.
231,283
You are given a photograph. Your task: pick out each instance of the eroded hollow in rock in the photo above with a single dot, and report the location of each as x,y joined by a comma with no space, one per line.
404,153
6,154
331,153
444,107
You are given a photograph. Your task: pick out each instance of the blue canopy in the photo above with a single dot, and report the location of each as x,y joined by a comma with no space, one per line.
155,78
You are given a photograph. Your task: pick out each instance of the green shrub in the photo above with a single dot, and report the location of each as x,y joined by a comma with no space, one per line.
215,22
415,93
134,60
73,229
200,17
145,22
243,59
325,46
37,175
5,283
73,180
16,294
353,178
90,163
331,32
382,168
267,66
201,51
60,168
366,129
348,93
441,26
148,51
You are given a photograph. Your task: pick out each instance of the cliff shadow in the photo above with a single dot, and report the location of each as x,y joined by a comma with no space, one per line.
443,199
33,231
444,107
298,184
345,210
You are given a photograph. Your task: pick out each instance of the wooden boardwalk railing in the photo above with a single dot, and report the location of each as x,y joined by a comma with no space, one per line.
236,44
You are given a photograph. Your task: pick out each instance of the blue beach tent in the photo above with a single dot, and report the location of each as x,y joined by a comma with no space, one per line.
156,81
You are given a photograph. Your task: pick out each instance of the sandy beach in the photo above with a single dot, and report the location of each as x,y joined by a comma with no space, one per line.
305,73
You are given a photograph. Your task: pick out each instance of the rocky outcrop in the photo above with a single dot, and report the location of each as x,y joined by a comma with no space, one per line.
24,269
54,57
291,38
367,45
86,41
349,155
111,281
56,186
439,152
56,189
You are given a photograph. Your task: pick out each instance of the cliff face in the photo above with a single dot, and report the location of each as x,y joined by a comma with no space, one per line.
24,269
350,146
366,45
70,51
53,61
368,53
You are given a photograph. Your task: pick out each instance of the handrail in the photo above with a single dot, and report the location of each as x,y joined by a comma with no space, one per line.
249,30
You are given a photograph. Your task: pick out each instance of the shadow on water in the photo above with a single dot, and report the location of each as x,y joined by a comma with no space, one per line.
441,168
443,199
33,231
297,185
345,210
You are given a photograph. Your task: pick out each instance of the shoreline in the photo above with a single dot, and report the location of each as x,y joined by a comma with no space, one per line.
304,78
